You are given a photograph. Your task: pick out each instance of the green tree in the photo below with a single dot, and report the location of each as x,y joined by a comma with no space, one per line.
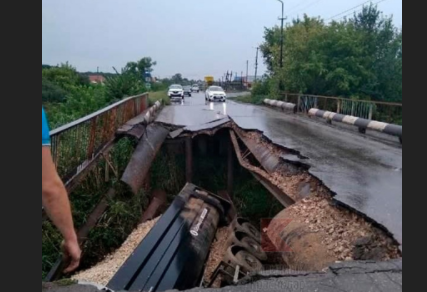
140,67
123,85
361,57
177,78
64,76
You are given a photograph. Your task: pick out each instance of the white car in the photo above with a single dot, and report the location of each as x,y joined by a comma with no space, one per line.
216,93
195,88
176,91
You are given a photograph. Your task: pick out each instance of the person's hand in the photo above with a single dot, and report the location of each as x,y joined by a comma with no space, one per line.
72,254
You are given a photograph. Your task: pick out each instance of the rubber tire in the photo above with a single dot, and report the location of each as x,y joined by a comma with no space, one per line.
250,229
248,262
253,247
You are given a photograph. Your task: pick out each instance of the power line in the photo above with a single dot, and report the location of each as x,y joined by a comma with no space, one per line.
298,5
339,14
306,7
353,10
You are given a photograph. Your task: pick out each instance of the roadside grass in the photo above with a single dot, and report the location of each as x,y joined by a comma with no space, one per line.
116,223
159,96
249,98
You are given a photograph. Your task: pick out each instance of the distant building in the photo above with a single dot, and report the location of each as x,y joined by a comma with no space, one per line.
97,79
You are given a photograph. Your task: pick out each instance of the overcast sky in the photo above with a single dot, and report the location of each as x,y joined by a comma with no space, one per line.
192,37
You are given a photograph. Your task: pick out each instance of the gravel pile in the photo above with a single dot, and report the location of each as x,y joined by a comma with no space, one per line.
348,236
103,272
218,249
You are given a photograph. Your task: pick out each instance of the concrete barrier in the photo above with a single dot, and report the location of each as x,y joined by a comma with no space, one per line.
362,124
281,104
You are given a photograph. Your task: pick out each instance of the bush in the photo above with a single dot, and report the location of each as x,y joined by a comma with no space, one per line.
79,102
64,76
261,90
123,85
52,92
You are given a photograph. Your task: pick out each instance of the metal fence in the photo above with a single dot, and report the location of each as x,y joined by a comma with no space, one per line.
76,144
389,112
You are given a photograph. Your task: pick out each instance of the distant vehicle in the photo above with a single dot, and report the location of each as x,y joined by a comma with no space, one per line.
187,91
209,80
195,88
216,93
176,90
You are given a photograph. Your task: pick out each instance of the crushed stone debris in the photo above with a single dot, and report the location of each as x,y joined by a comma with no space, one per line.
349,236
218,250
104,271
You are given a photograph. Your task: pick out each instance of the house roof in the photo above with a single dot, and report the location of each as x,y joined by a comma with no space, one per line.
96,79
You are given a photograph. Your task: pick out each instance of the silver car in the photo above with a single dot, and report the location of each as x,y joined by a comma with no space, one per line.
216,93
195,88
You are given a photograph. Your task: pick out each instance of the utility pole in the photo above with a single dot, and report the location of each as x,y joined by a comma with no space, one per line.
256,64
247,71
282,36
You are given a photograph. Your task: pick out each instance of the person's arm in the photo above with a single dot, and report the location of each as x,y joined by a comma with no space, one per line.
57,205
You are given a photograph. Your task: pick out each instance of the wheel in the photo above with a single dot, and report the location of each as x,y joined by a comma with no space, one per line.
248,262
249,228
254,248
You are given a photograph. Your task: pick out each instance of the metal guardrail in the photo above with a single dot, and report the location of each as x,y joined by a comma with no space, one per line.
76,148
389,112
75,145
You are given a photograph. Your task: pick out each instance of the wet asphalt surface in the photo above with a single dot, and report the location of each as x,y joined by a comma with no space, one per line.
365,174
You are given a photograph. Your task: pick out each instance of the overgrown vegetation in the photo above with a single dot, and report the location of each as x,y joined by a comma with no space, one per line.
358,58
68,95
115,225
251,199
160,96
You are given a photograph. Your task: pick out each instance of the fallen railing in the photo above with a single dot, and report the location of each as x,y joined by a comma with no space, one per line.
78,147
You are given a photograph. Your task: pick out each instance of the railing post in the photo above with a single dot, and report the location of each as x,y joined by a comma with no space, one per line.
135,107
299,103
371,111
92,137
339,106
352,108
189,159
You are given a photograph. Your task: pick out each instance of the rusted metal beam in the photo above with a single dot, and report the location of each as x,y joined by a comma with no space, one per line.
264,155
232,213
158,201
72,183
189,159
82,234
143,157
283,198
230,168
93,219
136,127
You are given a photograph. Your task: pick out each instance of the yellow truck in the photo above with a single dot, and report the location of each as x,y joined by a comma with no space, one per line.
209,80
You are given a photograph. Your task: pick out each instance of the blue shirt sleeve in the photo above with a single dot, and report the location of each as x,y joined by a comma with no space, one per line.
45,130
